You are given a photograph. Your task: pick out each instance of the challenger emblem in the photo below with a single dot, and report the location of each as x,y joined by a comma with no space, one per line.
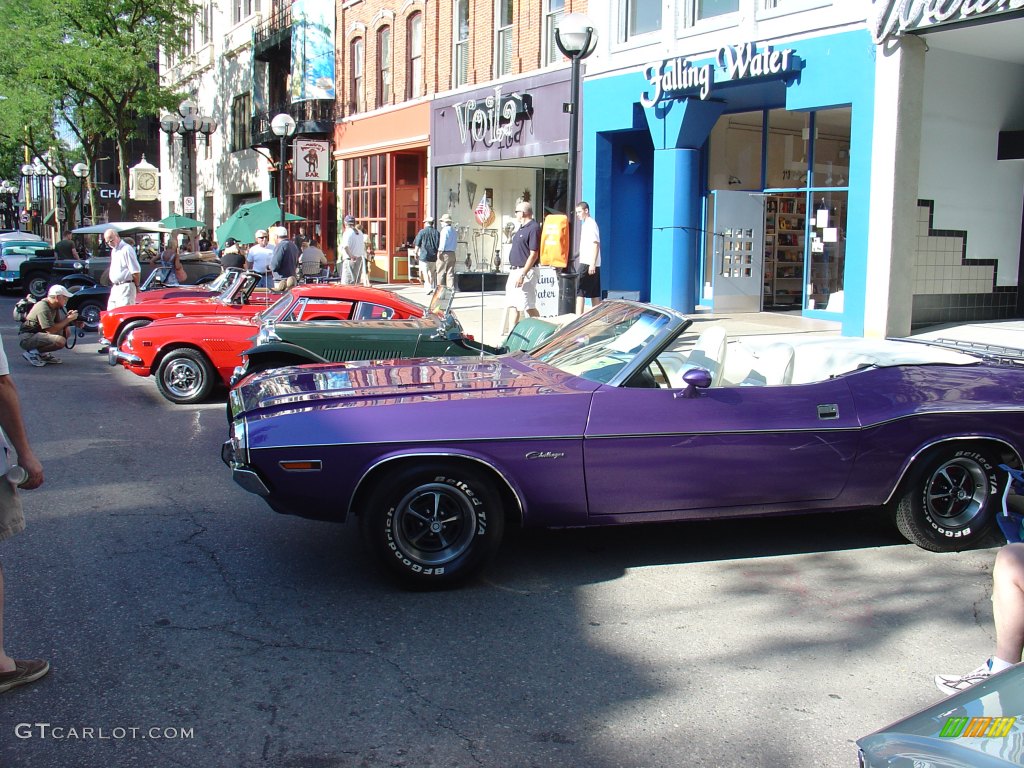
544,455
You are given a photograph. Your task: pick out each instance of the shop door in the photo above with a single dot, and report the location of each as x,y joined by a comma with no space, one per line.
738,251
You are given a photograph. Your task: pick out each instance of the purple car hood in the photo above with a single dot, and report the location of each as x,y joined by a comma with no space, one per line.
392,382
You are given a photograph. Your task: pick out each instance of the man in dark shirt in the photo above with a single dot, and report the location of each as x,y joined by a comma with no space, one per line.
65,248
427,240
285,260
523,254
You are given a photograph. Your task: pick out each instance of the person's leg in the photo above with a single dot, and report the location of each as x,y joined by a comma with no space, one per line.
580,305
6,662
1008,602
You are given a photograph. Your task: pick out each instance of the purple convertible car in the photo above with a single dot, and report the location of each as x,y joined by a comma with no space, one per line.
628,415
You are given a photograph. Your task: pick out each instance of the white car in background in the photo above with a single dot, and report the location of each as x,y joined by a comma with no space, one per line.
12,254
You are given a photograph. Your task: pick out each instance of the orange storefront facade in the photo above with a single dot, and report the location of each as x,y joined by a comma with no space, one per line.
382,167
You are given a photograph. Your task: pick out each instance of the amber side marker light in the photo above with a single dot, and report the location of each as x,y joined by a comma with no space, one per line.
301,466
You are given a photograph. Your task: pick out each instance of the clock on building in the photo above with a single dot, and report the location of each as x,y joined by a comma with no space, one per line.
143,181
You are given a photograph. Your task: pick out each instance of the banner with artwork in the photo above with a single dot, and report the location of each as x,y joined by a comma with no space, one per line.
312,50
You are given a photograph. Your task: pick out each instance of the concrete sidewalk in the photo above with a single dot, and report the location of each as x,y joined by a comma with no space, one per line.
483,316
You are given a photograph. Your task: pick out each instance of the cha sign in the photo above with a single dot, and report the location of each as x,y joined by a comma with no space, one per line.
897,17
737,62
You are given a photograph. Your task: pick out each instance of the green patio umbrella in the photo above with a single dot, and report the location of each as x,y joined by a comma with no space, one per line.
177,221
243,223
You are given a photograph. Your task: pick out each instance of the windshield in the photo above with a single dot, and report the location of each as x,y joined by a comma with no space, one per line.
273,313
440,302
603,342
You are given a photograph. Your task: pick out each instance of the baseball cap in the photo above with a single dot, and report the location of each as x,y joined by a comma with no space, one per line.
230,241
261,233
428,219
350,219
58,290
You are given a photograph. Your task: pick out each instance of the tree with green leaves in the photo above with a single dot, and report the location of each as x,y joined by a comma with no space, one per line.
87,66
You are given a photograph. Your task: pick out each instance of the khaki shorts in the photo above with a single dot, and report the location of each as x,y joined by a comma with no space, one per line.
12,518
524,298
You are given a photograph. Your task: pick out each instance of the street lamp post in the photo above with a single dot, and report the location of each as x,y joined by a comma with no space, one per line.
81,170
187,123
283,126
27,175
7,192
575,37
59,183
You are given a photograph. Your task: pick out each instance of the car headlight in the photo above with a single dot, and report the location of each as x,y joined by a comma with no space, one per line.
266,335
239,441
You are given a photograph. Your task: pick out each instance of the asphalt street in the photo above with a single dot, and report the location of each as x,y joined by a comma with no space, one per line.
189,625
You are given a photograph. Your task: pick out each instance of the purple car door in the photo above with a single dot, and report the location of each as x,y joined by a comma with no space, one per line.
652,450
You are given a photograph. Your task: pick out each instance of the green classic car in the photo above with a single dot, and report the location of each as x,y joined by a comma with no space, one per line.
436,334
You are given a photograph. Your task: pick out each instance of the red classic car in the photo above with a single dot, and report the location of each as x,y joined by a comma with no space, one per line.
238,298
189,354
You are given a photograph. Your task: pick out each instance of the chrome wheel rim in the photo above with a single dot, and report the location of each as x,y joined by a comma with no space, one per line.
957,492
90,315
183,378
434,524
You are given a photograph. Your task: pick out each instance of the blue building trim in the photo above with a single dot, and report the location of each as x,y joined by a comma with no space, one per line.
644,169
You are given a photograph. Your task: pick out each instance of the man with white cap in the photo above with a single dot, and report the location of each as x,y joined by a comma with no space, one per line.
43,331
352,257
449,241
427,241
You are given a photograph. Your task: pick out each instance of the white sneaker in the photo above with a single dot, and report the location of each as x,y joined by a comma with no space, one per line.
32,356
951,685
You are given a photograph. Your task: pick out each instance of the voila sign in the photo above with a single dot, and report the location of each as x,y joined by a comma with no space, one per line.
736,62
495,119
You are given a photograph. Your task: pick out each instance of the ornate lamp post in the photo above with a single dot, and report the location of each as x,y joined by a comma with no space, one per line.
575,37
27,175
59,183
10,214
187,123
81,170
283,126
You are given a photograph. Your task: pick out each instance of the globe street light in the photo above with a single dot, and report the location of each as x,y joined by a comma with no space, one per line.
283,125
59,182
187,123
7,192
81,170
575,37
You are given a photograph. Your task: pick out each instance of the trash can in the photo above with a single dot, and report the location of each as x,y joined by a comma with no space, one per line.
567,292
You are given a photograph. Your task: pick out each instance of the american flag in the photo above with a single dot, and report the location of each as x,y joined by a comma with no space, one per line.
483,211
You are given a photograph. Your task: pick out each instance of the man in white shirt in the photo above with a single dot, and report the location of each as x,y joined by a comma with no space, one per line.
589,267
352,257
259,257
124,271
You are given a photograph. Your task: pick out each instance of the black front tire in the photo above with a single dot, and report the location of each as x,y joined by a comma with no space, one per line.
950,500
128,328
434,525
37,283
89,313
185,376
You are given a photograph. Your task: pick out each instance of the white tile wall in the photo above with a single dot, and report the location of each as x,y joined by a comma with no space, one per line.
938,266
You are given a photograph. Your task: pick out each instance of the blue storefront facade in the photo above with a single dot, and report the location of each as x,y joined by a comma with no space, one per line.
739,180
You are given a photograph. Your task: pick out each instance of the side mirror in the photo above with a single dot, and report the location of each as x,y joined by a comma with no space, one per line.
695,378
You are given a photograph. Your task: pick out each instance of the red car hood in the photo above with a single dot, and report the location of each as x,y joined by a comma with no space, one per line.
206,321
173,293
